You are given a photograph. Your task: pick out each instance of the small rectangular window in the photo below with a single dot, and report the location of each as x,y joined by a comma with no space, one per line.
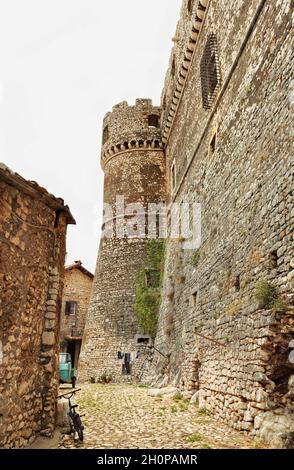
70,308
153,120
212,146
194,298
142,340
105,135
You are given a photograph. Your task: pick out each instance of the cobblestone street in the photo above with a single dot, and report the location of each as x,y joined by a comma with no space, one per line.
124,416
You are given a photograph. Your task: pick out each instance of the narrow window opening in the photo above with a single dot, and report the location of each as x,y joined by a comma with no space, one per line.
194,298
70,307
143,340
164,102
212,145
158,225
237,283
173,69
273,259
173,177
57,217
105,135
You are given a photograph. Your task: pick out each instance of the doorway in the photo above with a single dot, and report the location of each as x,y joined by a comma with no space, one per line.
74,348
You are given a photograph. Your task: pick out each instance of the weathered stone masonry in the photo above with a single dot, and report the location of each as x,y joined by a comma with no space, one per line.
133,163
236,159
226,123
32,242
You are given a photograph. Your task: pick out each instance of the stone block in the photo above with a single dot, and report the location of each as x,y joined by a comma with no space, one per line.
48,338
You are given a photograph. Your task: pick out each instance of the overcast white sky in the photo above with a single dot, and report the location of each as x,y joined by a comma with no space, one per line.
63,65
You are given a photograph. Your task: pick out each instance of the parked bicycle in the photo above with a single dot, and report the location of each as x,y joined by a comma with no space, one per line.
74,418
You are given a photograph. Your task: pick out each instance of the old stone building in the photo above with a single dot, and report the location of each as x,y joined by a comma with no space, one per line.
75,301
224,141
33,226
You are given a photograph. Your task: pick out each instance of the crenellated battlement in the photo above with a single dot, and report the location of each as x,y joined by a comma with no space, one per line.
131,128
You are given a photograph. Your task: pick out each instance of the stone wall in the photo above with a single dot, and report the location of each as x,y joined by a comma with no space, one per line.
221,342
77,288
32,240
133,162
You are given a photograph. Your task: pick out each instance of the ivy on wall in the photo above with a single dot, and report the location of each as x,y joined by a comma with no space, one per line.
148,287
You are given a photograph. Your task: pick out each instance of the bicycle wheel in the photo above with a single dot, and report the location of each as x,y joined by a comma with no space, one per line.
71,425
79,428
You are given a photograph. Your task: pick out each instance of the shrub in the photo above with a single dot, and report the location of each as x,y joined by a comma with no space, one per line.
104,379
267,296
177,396
233,309
183,406
202,412
196,437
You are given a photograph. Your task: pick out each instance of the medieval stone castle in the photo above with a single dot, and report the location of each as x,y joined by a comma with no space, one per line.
217,319
221,138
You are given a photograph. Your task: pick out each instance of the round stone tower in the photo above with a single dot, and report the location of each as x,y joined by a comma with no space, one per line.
134,167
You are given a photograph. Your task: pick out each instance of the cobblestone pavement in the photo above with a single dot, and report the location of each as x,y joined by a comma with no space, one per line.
124,416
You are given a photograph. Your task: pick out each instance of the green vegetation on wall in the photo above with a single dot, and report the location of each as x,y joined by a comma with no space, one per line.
148,296
195,258
267,296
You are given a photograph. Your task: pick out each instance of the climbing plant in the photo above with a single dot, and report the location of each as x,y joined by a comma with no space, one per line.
148,287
